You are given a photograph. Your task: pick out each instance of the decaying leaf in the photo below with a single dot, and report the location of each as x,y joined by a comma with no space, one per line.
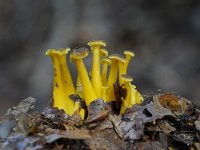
186,138
147,113
53,134
166,127
169,101
22,108
176,104
22,114
97,111
146,146
129,130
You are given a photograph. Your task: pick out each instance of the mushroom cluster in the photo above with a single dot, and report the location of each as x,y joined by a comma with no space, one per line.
100,85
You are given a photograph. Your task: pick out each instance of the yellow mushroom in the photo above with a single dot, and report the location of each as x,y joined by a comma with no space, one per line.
127,85
96,76
105,62
88,91
112,78
129,55
63,84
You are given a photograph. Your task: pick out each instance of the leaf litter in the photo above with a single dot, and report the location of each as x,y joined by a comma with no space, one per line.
164,121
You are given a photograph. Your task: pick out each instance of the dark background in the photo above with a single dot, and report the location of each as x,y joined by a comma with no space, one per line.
165,36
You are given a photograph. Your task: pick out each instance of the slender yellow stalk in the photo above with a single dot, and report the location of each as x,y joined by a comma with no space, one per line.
112,79
88,91
79,90
96,75
105,62
117,61
105,93
121,63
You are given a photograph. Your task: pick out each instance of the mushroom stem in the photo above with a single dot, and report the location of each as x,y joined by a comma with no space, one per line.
105,93
112,79
96,76
121,71
117,61
88,91
105,62
63,85
104,74
79,87
133,96
96,48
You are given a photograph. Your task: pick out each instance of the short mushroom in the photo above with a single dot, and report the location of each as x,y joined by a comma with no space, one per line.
96,76
88,91
127,85
63,84
129,55
105,62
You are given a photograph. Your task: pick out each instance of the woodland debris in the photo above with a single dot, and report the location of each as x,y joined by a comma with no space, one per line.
164,121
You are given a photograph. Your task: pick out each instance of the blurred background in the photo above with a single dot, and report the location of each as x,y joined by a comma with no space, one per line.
165,36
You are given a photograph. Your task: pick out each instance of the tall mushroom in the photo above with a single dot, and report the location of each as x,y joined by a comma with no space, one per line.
88,91
105,62
63,84
112,78
96,76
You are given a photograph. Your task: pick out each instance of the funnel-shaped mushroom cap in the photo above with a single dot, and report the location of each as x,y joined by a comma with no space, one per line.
97,43
126,78
106,61
130,53
103,52
60,51
79,53
117,57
